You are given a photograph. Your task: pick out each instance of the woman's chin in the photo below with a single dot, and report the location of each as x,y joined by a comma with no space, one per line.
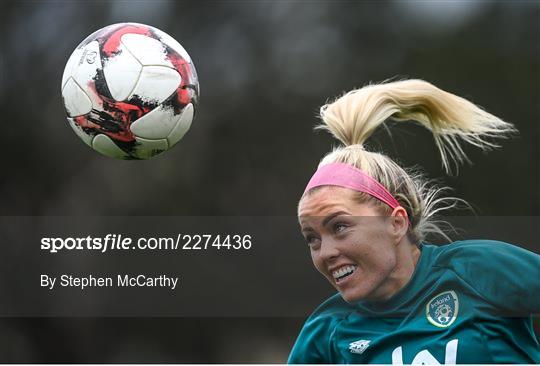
352,296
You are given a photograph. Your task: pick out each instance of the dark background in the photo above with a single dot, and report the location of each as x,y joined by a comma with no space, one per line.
264,68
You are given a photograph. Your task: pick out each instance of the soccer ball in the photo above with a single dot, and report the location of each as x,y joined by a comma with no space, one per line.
130,91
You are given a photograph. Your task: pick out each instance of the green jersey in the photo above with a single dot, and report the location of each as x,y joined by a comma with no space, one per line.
467,302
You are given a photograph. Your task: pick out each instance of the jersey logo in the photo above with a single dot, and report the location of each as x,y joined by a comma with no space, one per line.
359,346
426,358
442,309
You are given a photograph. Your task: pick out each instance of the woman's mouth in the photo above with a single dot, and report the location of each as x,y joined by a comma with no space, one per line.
342,273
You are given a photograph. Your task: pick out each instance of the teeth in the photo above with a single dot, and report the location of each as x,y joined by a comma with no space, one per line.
343,271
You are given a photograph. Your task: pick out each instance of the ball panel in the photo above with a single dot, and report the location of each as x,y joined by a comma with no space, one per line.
157,124
72,61
87,139
104,145
149,148
148,51
121,72
112,39
76,100
88,71
173,43
156,83
182,126
89,63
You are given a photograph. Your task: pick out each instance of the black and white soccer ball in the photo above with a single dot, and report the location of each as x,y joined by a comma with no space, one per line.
130,91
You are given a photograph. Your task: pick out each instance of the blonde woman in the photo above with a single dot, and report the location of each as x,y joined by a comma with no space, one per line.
365,219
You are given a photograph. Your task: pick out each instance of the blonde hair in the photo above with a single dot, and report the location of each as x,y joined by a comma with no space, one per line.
354,117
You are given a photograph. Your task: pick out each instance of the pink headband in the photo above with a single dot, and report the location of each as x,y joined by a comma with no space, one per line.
347,176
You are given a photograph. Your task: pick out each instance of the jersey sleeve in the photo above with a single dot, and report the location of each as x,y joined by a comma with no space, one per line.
314,343
505,275
311,346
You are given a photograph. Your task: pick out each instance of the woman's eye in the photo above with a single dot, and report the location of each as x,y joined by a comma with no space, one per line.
339,227
312,241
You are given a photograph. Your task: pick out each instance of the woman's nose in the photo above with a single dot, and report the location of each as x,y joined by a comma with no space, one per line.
329,251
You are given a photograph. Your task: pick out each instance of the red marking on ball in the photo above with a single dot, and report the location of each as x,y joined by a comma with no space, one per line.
112,43
183,67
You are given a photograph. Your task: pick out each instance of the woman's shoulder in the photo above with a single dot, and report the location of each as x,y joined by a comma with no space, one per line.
486,257
482,252
503,274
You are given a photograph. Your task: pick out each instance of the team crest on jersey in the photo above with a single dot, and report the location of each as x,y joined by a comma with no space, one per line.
442,309
359,346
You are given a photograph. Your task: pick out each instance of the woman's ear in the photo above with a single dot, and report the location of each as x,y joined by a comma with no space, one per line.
399,223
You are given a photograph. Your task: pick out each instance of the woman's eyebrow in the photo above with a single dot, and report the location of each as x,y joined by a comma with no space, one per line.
325,221
328,218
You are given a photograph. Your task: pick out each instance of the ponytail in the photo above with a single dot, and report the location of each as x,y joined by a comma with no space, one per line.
354,117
